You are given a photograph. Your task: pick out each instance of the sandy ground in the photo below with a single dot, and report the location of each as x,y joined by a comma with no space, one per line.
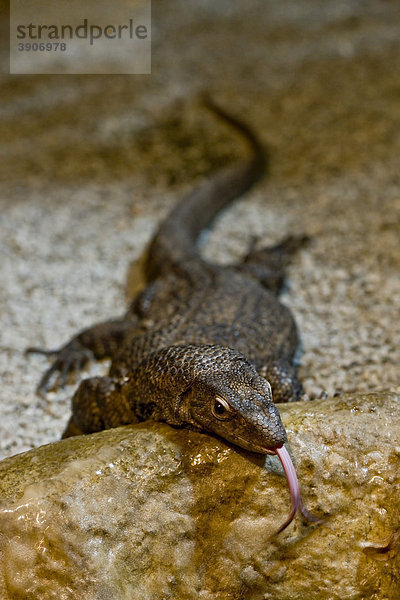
90,164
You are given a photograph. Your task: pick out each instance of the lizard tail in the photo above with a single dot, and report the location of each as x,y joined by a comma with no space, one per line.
176,239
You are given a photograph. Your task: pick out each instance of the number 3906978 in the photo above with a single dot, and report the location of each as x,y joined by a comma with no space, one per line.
42,46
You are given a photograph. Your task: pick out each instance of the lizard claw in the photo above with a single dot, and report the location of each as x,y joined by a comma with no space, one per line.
69,359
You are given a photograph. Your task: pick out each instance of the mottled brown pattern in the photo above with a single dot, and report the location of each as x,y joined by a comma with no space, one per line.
202,345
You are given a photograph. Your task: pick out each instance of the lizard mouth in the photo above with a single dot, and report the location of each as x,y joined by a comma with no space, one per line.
294,487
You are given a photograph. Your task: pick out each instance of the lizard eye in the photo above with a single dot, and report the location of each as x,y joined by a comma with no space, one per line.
221,409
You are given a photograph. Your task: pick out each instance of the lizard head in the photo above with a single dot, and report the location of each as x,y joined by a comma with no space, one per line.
229,398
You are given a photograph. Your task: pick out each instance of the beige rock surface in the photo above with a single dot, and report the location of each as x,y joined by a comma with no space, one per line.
149,513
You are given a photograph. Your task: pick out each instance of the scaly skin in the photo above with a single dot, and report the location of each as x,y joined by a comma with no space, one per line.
204,346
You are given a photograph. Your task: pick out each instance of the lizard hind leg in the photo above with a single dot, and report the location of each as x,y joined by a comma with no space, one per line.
99,403
268,265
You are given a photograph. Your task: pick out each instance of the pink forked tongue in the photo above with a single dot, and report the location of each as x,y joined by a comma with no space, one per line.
291,475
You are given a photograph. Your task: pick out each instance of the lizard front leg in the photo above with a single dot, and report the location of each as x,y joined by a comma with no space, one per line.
100,341
99,403
285,384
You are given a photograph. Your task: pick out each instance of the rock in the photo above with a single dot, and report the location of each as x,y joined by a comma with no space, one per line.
149,512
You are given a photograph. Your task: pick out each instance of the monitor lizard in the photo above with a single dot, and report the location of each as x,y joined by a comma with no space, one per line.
204,346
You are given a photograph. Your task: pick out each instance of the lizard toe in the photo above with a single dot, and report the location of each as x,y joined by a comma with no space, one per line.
71,358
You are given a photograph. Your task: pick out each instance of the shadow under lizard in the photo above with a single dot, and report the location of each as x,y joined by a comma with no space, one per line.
204,346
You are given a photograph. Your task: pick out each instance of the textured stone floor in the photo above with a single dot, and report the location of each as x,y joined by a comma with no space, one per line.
90,164
153,512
